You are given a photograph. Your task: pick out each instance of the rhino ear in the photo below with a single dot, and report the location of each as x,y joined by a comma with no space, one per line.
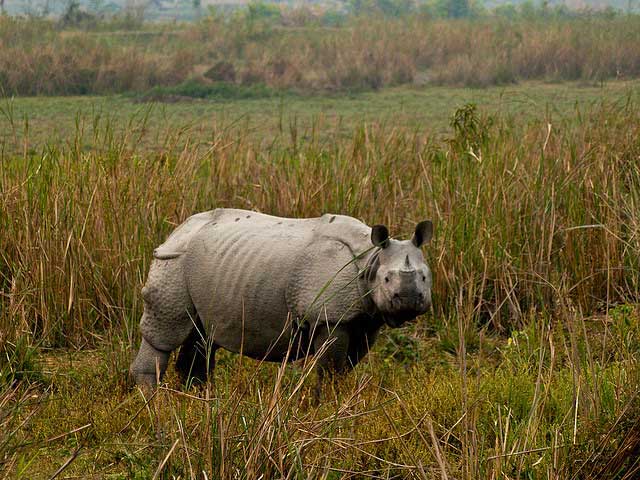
423,233
380,236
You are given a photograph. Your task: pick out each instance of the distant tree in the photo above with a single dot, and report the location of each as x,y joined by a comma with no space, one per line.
435,8
72,14
507,10
528,10
96,6
391,8
259,10
458,8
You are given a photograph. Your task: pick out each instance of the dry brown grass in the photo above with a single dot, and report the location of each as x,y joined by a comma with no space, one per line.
557,223
369,53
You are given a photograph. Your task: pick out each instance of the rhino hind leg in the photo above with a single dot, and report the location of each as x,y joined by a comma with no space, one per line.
197,356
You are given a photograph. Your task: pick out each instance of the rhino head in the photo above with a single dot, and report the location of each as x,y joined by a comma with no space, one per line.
397,276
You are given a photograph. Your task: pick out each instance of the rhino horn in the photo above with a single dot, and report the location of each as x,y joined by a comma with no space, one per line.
407,267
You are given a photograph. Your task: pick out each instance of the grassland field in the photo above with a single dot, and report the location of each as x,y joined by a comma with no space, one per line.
31,122
527,367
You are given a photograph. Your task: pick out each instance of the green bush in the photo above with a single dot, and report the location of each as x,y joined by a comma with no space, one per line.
214,91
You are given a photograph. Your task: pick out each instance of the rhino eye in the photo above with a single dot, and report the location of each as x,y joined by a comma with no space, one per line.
423,278
386,279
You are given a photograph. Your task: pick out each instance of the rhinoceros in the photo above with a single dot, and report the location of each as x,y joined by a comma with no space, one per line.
277,288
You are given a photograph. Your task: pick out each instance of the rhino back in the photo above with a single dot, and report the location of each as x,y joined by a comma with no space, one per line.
343,228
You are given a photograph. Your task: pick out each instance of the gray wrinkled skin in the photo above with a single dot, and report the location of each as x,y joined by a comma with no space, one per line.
274,288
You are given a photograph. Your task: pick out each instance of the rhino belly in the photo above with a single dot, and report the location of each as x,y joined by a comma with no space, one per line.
237,277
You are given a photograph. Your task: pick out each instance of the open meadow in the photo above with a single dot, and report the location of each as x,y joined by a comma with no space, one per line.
517,133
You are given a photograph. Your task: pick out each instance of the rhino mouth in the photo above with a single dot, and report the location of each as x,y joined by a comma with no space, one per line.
404,309
399,318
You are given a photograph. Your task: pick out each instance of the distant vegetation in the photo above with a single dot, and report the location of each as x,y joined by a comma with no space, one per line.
189,10
300,50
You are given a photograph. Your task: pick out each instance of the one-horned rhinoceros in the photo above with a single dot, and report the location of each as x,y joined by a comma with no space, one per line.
274,288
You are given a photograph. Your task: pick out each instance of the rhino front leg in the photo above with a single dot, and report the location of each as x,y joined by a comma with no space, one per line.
332,344
149,365
359,345
197,356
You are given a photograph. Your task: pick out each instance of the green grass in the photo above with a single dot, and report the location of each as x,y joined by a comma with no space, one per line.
221,91
527,366
53,120
515,403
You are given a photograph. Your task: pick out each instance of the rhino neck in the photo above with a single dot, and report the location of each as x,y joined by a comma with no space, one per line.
366,264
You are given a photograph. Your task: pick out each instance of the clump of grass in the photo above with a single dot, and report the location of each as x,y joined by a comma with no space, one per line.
37,59
18,362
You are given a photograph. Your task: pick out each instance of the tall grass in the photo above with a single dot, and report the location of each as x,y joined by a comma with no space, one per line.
527,366
526,218
36,58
